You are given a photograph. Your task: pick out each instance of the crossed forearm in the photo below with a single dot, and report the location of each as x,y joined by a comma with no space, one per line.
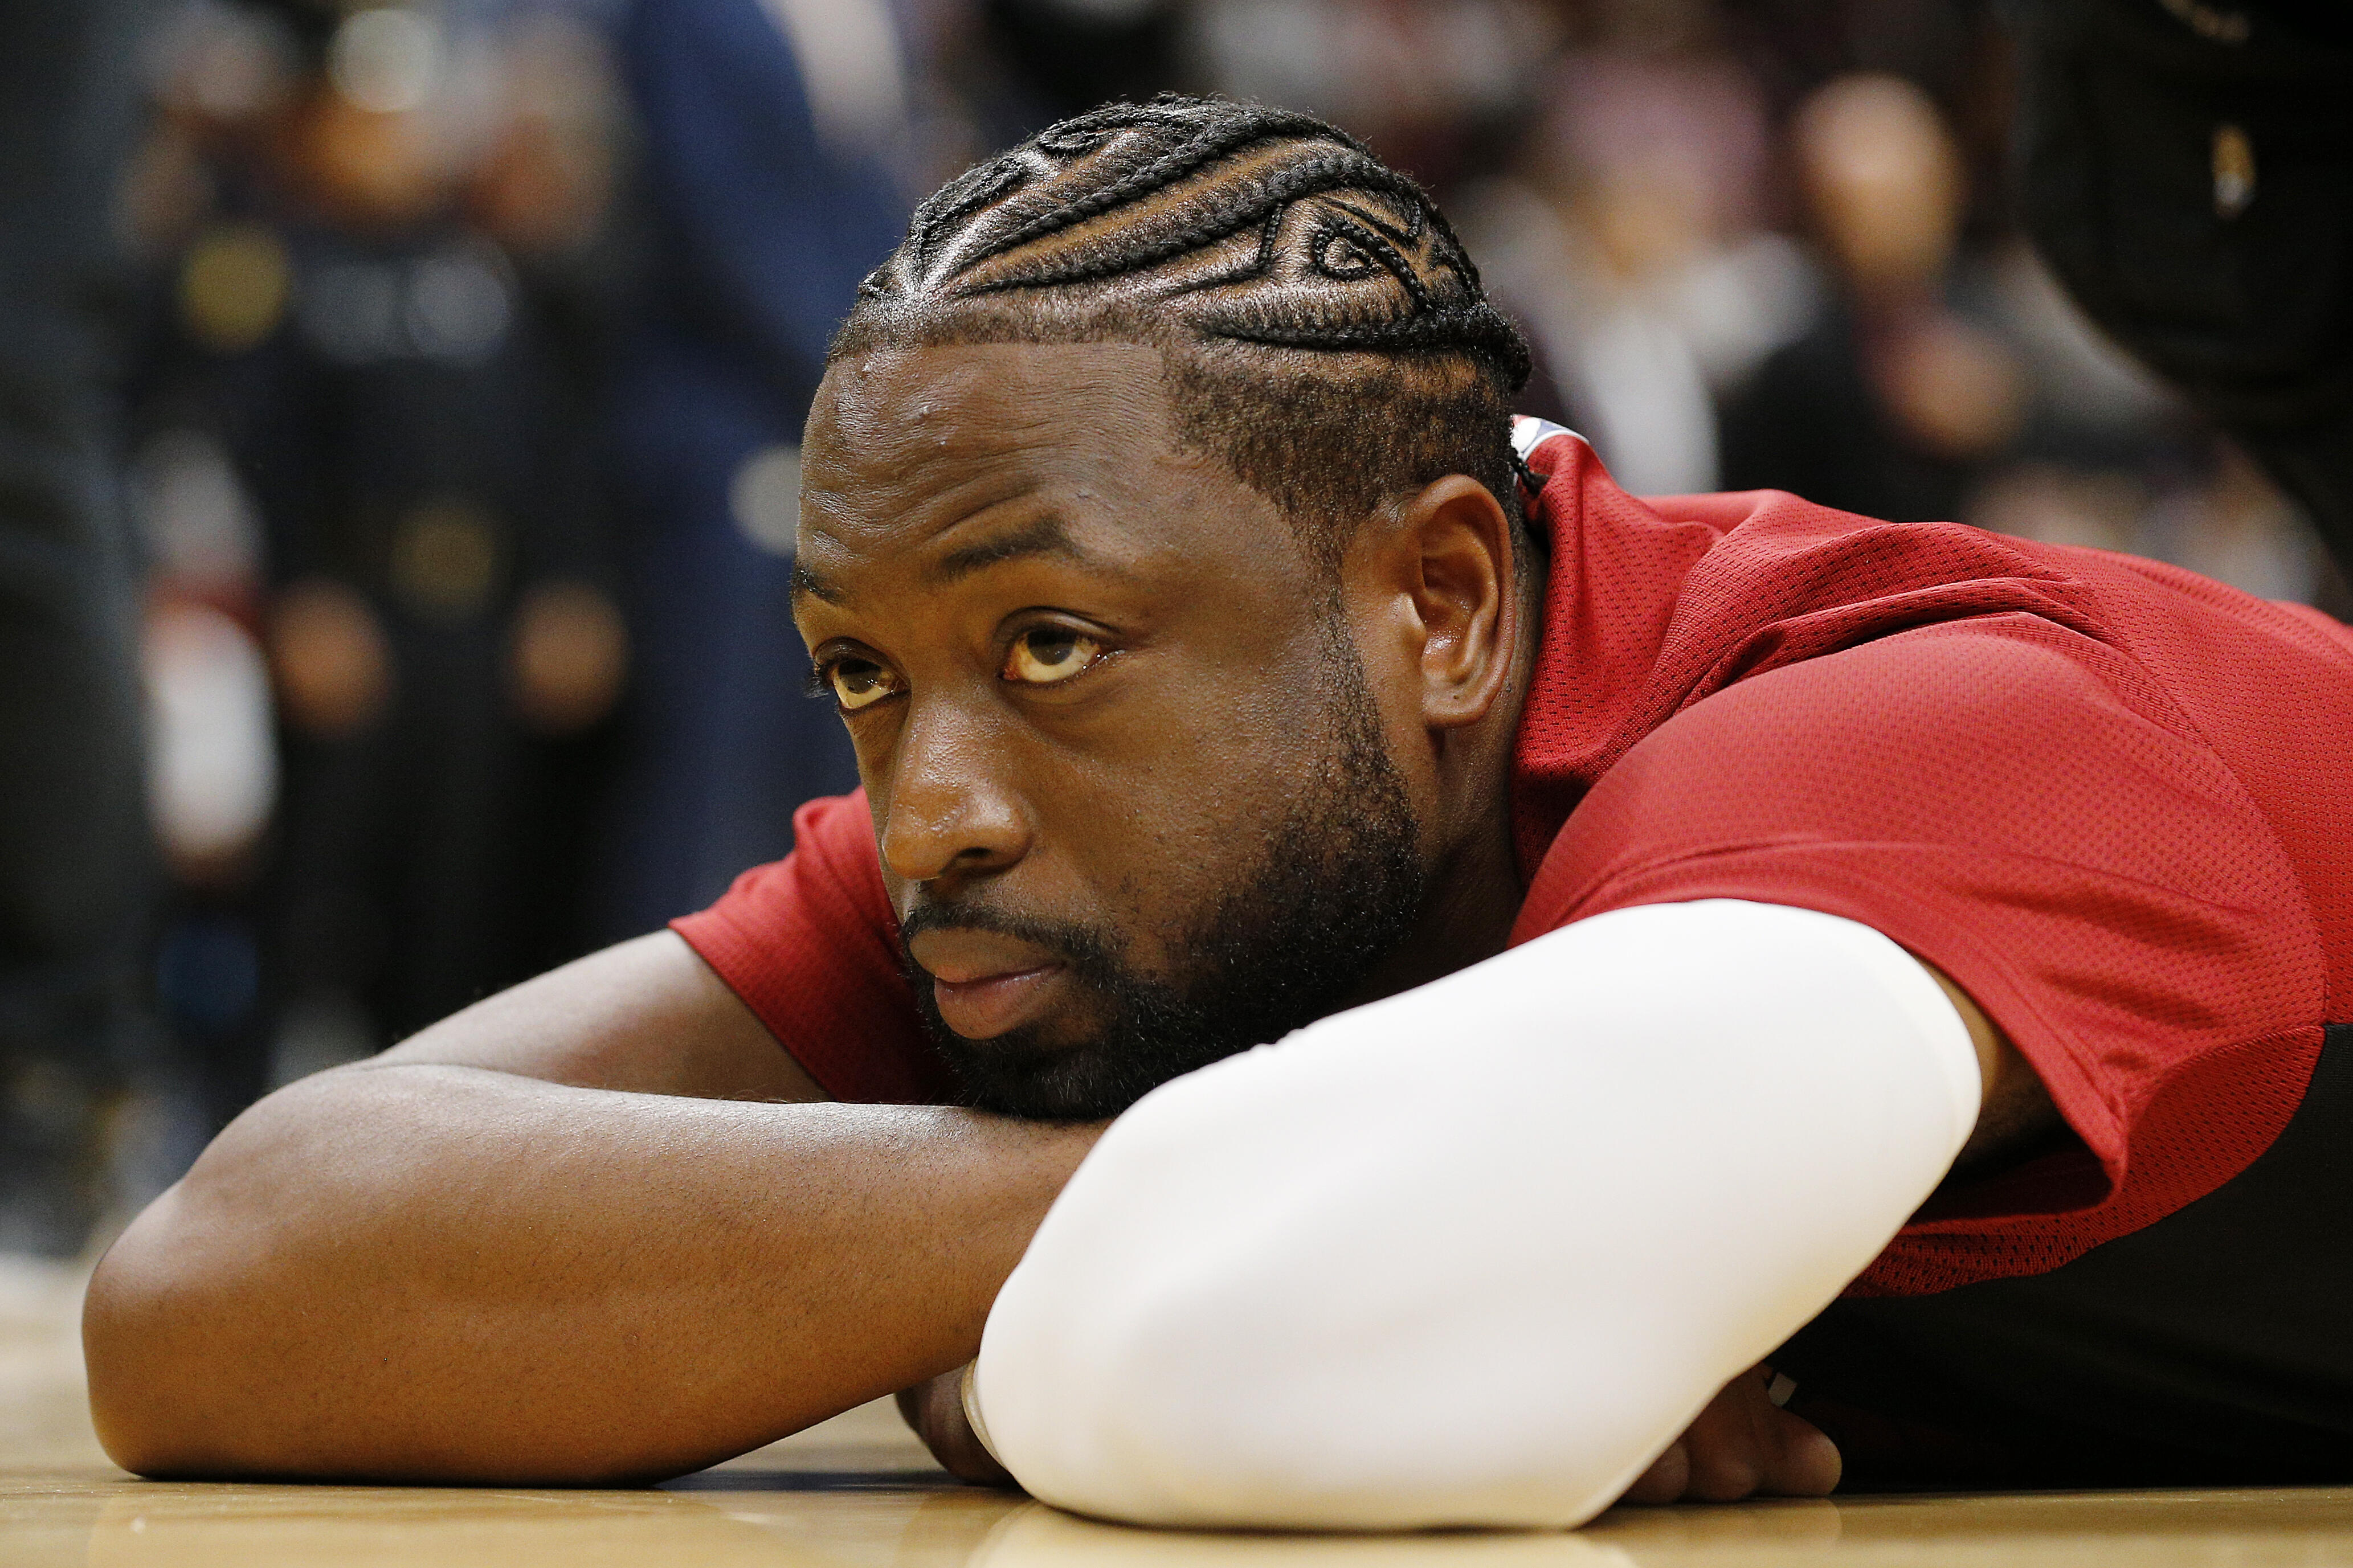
431,1273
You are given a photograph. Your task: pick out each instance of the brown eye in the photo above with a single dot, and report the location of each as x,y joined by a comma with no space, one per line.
857,682
1044,655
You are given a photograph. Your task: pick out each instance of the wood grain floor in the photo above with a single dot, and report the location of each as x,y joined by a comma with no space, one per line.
858,1493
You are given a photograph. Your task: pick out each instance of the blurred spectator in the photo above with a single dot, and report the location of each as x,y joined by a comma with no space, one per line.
1052,58
72,863
767,126
1627,241
2188,168
369,453
1892,400
1833,298
1428,83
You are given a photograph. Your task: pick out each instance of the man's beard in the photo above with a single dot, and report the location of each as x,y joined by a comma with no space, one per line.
1337,887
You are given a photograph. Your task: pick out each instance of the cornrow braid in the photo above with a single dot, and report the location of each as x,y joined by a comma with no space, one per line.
1324,329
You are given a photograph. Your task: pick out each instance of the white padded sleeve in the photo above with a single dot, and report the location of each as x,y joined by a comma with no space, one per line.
1476,1254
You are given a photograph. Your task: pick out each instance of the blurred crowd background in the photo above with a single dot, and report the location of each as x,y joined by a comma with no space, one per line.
451,357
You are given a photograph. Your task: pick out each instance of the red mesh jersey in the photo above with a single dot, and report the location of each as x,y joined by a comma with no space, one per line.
2109,798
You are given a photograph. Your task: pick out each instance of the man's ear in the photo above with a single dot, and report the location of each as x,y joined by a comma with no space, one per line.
1456,548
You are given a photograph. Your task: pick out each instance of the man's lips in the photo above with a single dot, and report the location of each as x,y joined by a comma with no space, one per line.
993,1003
986,983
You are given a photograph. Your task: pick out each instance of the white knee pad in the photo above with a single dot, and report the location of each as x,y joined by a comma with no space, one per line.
1476,1254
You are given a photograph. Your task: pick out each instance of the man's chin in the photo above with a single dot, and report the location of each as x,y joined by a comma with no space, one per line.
1040,1083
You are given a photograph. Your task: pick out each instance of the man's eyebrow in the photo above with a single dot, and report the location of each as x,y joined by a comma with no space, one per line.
808,584
1044,536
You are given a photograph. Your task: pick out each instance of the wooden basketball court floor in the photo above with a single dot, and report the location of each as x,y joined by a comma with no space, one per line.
859,1492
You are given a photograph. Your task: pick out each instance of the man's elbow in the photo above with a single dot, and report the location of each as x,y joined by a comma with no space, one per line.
209,1358
146,1398
196,1361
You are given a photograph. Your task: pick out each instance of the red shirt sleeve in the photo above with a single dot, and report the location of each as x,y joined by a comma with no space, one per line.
810,944
2020,806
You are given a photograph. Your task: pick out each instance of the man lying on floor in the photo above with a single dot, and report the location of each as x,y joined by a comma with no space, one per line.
1698,932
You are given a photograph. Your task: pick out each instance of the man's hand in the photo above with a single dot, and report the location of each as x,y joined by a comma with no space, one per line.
1741,1445
936,1410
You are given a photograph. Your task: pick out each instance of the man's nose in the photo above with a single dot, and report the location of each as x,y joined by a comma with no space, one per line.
952,812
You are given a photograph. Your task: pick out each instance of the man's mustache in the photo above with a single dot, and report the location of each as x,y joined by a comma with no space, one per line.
1084,949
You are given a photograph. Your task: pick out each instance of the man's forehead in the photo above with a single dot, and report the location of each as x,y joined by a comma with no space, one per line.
971,402
948,460
924,452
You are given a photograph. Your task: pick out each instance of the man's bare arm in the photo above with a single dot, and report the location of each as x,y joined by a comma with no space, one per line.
648,1015
590,1230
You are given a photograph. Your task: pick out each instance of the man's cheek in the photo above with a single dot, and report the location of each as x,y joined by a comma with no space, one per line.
1081,1018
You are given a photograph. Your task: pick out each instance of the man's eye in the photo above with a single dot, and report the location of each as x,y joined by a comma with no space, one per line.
859,681
1045,655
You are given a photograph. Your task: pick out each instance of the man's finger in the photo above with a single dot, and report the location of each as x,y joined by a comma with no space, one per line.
936,1410
1806,1463
1665,1479
1742,1446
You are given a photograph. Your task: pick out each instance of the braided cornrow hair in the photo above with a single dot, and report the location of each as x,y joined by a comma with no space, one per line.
1324,329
